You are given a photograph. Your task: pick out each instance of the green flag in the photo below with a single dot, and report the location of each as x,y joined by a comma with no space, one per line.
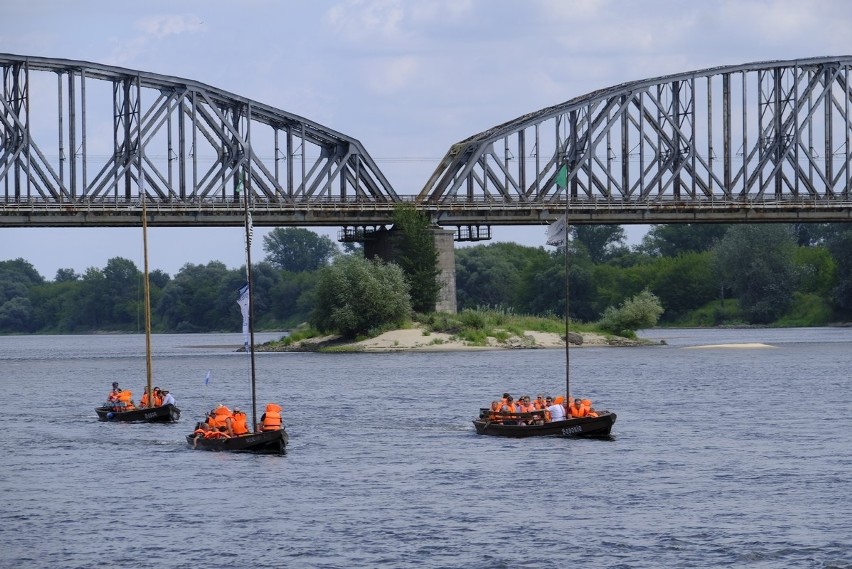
562,177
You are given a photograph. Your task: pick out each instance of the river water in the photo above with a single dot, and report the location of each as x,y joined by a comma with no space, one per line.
721,457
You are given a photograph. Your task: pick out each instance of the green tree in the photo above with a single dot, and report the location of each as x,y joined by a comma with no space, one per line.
491,275
640,311
672,239
66,275
355,296
201,298
840,247
292,299
295,249
417,255
684,282
601,241
756,262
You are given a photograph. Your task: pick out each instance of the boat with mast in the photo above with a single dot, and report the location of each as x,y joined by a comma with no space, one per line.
534,424
256,440
149,412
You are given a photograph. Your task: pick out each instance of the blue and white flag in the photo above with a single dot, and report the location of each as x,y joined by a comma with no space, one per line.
207,378
243,301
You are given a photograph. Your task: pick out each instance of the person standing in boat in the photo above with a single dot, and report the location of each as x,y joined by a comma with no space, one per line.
556,410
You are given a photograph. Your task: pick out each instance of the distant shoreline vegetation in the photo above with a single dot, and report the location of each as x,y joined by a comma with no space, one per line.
702,275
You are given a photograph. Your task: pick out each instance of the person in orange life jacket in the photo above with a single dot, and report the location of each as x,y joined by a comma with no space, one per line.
576,408
238,423
112,397
158,397
143,402
539,402
509,408
218,419
524,406
271,419
587,408
124,401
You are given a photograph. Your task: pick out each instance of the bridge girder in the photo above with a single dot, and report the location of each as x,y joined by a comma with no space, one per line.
756,142
706,145
178,140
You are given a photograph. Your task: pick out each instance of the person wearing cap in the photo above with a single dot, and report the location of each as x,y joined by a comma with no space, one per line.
168,399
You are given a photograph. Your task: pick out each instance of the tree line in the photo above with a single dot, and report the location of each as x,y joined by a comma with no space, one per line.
702,275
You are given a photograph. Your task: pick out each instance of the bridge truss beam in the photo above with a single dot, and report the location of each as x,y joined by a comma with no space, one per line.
173,140
761,141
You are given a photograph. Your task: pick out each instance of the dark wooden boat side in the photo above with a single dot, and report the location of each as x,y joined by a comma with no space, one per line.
163,414
599,426
265,442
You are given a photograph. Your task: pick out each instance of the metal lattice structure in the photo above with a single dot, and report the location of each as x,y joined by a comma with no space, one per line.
764,141
109,135
80,143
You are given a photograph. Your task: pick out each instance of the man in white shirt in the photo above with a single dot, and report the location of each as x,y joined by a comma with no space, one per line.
167,398
557,411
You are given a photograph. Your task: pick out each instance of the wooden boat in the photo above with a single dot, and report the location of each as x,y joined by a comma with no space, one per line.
163,413
592,427
259,442
264,442
534,424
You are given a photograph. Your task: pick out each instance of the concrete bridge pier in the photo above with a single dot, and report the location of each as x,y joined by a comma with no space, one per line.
381,244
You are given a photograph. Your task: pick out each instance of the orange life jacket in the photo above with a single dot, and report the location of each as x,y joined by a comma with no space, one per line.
215,435
525,408
238,423
587,408
271,418
144,401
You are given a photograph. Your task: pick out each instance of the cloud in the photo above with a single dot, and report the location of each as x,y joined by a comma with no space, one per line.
153,29
169,25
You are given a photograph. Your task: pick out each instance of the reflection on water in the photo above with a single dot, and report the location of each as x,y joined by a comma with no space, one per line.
715,459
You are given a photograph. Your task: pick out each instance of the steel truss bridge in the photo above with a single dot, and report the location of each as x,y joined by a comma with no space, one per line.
80,143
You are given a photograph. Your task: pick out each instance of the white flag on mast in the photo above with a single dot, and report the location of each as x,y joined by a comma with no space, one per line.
243,301
557,232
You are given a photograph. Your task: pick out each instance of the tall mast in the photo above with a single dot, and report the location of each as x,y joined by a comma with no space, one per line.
250,303
147,288
567,315
145,280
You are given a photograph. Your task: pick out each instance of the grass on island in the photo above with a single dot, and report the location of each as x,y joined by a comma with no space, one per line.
474,327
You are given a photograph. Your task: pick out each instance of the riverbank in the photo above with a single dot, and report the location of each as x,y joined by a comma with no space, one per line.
421,340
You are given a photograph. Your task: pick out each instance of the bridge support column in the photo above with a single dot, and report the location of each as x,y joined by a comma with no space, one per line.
381,244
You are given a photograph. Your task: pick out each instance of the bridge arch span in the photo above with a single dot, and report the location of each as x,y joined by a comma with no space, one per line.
108,131
766,141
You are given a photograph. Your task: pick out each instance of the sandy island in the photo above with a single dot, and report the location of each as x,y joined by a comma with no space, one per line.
416,339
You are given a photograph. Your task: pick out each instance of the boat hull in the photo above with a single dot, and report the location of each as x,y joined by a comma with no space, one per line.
163,414
599,426
266,442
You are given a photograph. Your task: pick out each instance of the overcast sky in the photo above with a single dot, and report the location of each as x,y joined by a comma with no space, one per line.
406,78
